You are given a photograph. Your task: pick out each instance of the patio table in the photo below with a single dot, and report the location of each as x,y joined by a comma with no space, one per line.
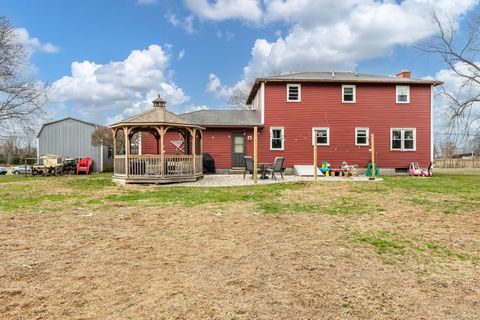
263,169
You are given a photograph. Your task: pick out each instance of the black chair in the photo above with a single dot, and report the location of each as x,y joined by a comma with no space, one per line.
277,167
248,166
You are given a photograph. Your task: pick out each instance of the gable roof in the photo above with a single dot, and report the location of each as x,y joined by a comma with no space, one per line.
224,118
336,77
64,119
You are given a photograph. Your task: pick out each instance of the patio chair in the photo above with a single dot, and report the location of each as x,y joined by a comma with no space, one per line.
248,166
277,167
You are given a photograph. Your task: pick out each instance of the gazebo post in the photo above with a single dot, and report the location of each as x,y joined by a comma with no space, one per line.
127,149
194,144
161,132
114,142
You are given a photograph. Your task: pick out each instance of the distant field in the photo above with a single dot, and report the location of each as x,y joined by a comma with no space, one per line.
82,248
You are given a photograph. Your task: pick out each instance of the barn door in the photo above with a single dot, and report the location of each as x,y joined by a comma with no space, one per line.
238,149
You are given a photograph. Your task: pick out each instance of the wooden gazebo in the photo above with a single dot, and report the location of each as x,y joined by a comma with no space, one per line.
159,167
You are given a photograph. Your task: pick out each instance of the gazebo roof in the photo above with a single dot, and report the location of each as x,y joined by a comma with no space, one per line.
155,116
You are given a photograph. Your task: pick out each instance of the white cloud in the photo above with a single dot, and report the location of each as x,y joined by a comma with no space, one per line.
34,44
224,35
181,54
215,87
184,23
249,10
330,34
193,108
119,89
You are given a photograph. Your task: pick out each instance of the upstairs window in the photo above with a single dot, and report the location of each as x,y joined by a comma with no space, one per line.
276,138
403,94
294,93
322,135
348,93
361,136
403,139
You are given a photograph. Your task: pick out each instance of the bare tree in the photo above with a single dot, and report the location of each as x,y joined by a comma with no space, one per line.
102,136
238,99
461,54
22,101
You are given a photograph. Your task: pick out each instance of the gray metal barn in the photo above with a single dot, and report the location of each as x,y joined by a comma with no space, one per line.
71,137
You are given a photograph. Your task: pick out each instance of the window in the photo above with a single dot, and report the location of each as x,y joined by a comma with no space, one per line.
294,93
348,93
323,136
361,136
276,139
403,139
403,94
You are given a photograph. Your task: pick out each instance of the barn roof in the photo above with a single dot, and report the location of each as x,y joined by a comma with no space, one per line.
223,118
67,118
337,77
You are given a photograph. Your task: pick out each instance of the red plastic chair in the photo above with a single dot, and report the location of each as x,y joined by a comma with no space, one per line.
84,165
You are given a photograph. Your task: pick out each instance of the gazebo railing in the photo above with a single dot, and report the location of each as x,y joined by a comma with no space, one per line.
151,165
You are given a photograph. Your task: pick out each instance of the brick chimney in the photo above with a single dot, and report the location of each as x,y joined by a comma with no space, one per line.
404,74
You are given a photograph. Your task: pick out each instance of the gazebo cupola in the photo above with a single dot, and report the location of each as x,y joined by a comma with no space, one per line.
186,165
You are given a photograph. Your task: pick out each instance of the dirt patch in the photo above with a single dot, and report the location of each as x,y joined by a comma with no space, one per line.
214,261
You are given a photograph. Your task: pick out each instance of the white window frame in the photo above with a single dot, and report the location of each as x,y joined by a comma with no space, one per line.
356,137
403,139
282,137
314,136
354,93
291,85
408,94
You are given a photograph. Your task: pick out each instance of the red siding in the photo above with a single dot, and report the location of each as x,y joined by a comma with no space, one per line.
217,142
321,106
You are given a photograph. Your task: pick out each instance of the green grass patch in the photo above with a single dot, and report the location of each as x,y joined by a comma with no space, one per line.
340,206
439,183
90,182
13,201
396,249
196,196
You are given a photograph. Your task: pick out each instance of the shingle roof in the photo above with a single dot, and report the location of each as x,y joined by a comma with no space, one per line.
337,77
224,118
156,115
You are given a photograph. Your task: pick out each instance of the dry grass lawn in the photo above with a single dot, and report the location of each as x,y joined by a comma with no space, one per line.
81,248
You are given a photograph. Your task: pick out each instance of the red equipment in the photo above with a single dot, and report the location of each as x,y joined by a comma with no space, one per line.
84,165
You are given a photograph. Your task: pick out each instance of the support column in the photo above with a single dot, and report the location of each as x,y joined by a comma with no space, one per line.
255,153
315,157
114,143
194,145
161,132
127,150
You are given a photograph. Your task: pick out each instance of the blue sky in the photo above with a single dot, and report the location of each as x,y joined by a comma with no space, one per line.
104,60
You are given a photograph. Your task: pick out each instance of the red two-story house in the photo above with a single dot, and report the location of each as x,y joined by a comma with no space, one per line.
340,109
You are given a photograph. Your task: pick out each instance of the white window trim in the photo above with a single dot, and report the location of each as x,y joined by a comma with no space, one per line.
299,92
356,136
354,93
408,94
314,135
283,138
402,149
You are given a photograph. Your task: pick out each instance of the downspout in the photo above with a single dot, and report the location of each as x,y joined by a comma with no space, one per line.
431,125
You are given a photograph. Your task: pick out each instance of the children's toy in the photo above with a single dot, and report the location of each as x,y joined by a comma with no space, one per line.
325,169
349,170
368,172
414,170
